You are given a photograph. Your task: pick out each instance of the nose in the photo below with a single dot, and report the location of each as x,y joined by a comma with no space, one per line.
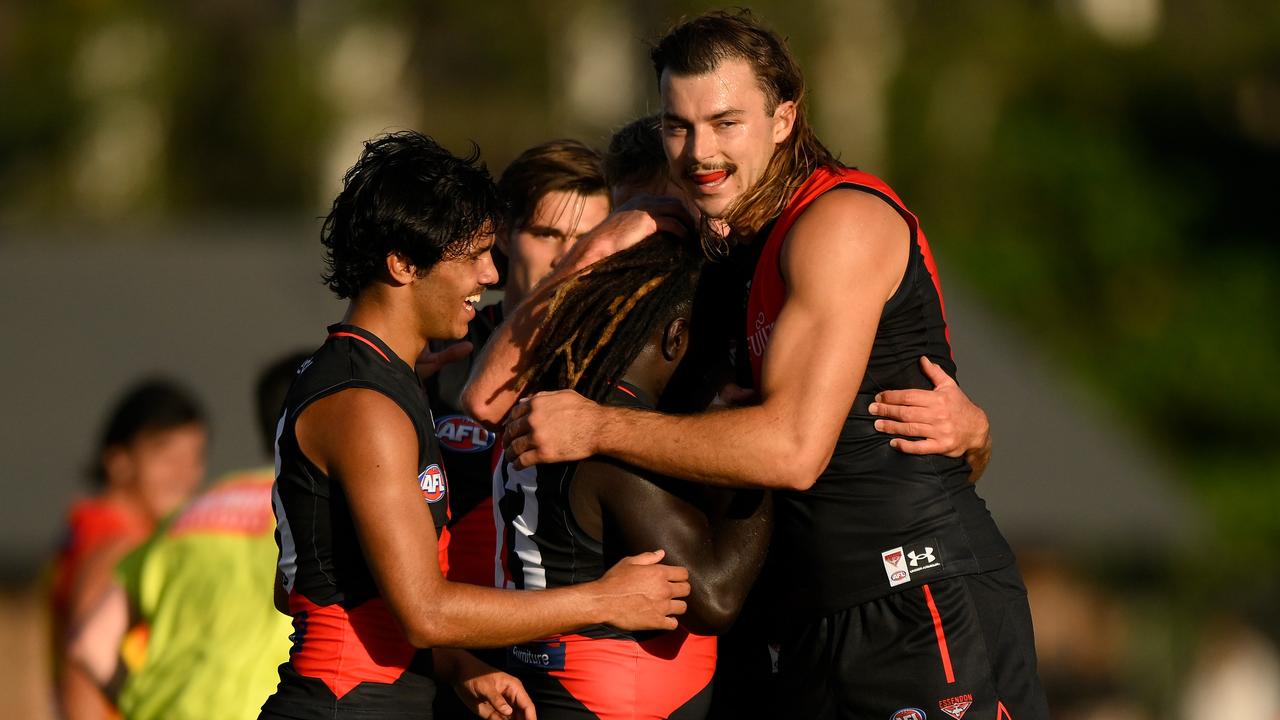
488,271
565,246
702,144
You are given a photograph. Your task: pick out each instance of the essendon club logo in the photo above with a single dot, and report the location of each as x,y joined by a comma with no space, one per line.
462,434
909,714
432,483
956,706
894,567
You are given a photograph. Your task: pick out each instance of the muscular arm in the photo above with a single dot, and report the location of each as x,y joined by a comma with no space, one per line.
722,547
848,251
367,444
492,389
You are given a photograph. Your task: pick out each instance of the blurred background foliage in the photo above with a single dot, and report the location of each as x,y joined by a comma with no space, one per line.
1097,170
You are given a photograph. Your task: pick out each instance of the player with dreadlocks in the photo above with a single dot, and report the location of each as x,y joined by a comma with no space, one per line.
616,334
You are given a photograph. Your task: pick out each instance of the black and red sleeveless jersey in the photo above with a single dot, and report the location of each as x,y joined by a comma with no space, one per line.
470,451
877,520
350,656
543,545
596,671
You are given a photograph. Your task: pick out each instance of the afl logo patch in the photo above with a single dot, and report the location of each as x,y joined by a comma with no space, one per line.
432,483
909,714
462,434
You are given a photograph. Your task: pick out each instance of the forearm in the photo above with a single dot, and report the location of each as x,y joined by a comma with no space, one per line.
748,447
493,386
459,615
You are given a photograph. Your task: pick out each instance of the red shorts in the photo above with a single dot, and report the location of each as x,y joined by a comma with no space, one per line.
580,678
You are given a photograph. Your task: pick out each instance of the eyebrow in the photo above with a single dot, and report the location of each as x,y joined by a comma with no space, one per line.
730,112
543,230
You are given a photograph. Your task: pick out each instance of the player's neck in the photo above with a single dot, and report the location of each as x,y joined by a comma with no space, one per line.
390,322
650,372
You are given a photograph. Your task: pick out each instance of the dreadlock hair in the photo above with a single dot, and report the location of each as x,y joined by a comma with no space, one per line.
635,158
599,320
698,47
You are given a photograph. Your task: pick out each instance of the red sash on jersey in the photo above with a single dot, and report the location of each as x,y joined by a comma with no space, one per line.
768,289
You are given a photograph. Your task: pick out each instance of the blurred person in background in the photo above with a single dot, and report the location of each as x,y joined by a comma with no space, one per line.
891,548
150,459
202,585
554,192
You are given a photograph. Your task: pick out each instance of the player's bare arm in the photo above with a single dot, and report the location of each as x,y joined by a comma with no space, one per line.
943,421
366,442
723,547
492,389
848,251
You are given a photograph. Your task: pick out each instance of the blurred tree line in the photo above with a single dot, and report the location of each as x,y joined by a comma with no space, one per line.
1098,174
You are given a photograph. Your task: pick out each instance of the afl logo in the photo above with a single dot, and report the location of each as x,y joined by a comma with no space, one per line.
432,483
462,434
909,714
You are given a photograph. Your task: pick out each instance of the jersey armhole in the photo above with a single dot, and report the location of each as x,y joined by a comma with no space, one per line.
291,419
913,255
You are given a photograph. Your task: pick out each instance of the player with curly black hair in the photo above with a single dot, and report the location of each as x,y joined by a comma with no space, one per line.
360,495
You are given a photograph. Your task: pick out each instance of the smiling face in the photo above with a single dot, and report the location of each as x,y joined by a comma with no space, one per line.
556,223
448,293
719,132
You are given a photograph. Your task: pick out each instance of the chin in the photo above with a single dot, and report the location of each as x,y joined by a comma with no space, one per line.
714,207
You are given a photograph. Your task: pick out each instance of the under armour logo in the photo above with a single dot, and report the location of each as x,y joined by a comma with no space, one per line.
926,556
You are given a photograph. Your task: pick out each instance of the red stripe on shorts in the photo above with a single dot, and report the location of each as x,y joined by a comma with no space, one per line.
942,636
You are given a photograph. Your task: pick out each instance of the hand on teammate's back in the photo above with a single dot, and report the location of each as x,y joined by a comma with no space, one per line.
944,419
642,594
550,427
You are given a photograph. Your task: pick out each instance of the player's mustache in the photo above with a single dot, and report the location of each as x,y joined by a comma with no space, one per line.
702,168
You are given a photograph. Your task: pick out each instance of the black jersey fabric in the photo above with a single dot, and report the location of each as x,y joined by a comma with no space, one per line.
544,547
350,656
877,520
467,448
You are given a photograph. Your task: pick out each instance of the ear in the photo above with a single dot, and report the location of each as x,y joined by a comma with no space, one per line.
784,120
400,269
118,465
675,339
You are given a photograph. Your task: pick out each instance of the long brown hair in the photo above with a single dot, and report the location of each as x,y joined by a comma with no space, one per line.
697,47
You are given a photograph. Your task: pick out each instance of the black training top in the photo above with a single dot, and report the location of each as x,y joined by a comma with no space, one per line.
877,520
544,547
350,656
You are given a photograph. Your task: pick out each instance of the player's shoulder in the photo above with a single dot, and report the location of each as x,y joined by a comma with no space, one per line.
850,207
358,416
623,480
